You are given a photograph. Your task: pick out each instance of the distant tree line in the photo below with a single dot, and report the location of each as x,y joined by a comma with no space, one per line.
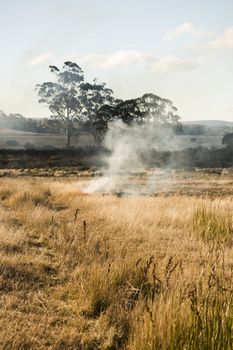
197,129
193,129
18,122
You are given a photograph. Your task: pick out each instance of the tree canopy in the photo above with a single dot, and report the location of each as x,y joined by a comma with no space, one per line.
95,97
75,102
64,97
92,106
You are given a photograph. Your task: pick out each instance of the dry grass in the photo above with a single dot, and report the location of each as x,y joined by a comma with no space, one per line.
101,272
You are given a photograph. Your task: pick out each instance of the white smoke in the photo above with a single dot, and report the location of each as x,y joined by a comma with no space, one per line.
129,148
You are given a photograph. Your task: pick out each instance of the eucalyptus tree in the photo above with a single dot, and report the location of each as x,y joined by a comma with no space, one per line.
64,96
156,116
97,101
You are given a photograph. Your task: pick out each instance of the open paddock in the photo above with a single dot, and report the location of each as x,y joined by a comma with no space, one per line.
93,271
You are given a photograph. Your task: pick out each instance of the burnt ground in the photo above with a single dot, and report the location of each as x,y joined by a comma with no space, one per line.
89,157
32,158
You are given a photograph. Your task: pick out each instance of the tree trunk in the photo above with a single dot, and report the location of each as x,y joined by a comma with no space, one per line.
68,137
68,131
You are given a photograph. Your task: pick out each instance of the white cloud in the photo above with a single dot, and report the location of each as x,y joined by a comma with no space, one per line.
185,28
118,58
91,35
40,59
222,41
126,58
171,63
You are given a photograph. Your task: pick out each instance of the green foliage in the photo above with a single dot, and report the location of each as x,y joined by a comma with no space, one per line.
64,97
75,102
148,108
96,98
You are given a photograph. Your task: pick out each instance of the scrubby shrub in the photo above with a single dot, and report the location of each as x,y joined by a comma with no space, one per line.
29,145
12,143
47,147
228,140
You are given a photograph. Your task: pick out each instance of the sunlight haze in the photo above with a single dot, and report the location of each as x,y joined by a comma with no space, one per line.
180,50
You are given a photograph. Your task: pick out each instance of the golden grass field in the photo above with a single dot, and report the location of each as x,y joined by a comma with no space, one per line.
81,271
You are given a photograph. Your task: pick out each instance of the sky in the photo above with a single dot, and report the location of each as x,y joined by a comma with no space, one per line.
178,49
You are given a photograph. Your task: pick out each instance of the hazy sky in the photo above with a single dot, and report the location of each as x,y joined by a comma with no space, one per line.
178,49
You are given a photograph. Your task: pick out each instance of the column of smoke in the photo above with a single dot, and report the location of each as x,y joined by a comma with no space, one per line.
128,147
